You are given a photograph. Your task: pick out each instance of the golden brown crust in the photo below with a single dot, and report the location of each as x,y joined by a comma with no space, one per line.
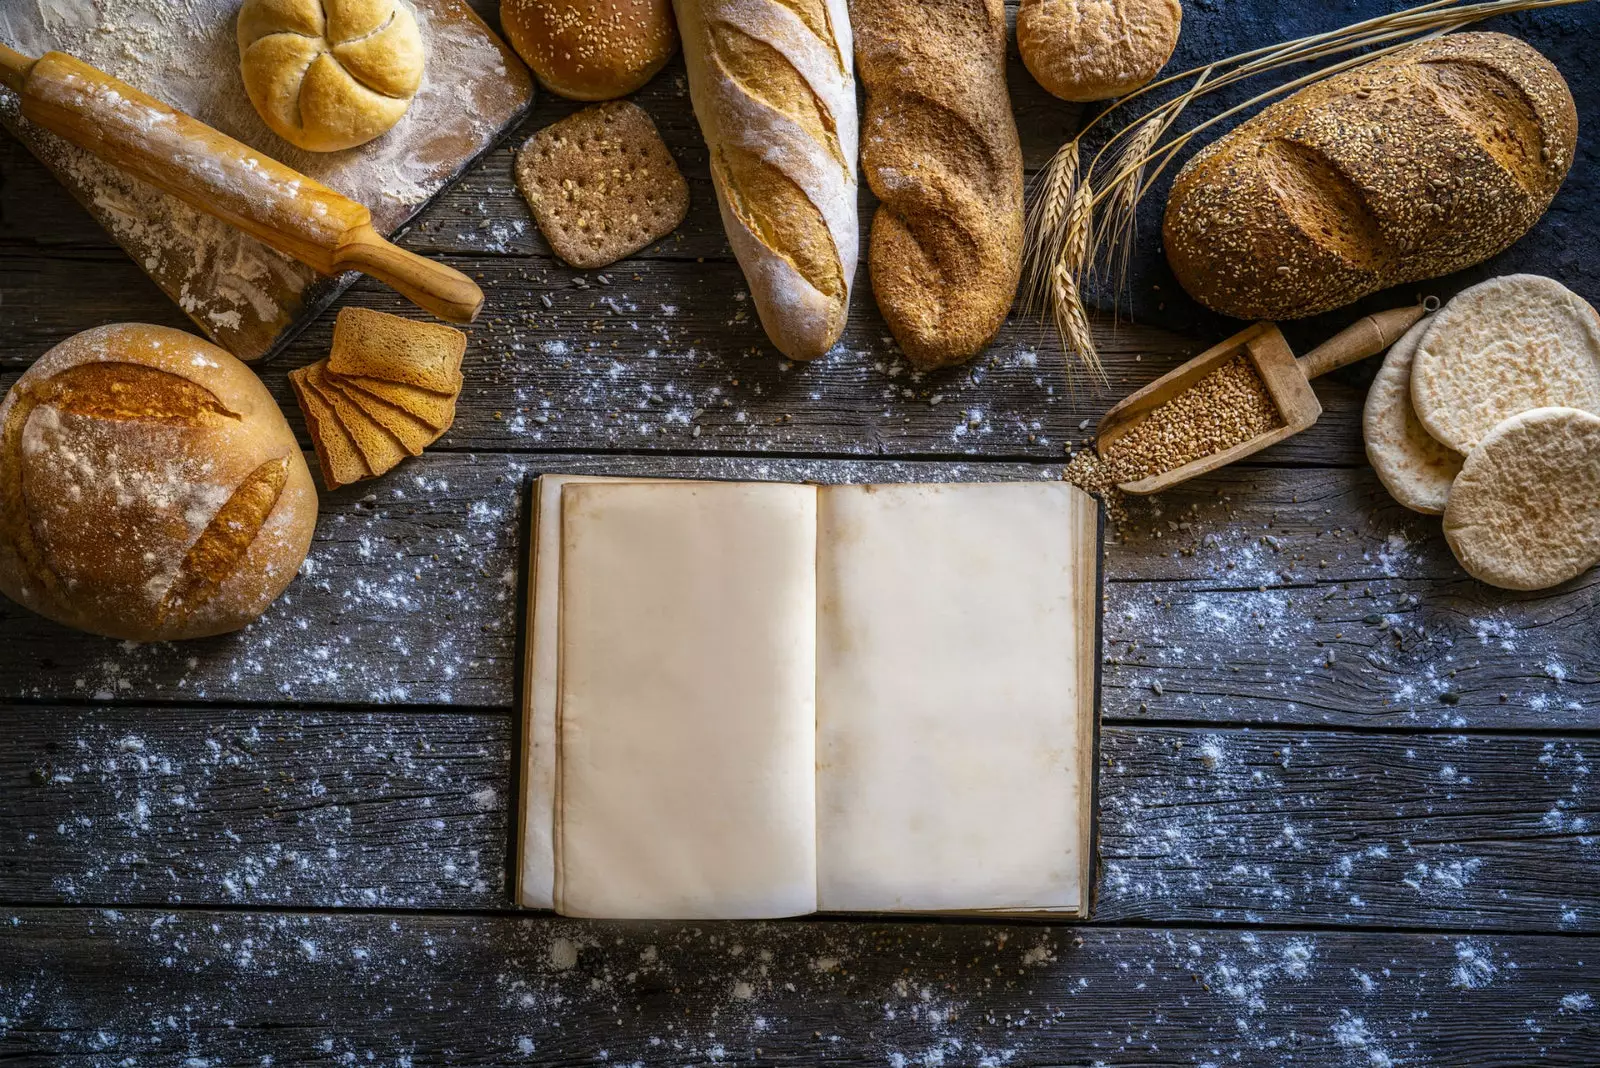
591,49
149,487
327,75
774,92
940,150
376,344
337,457
1096,49
1421,163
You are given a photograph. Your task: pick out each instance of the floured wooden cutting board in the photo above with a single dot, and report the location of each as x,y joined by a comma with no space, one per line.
242,294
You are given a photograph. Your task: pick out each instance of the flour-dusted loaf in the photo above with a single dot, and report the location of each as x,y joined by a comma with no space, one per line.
329,74
150,489
1420,163
591,49
772,87
940,150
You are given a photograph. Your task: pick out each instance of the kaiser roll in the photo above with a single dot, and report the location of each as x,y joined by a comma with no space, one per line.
149,487
329,74
591,49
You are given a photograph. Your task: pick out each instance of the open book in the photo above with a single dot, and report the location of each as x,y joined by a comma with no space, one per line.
760,699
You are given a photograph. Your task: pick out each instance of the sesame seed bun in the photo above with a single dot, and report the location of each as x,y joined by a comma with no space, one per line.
591,49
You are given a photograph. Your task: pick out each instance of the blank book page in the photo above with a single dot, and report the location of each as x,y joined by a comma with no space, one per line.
950,704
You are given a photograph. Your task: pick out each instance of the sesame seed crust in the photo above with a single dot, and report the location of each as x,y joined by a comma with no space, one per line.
1415,165
591,49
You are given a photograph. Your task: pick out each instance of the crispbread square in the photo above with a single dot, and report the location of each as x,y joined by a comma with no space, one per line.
413,434
341,464
380,449
430,408
378,345
601,184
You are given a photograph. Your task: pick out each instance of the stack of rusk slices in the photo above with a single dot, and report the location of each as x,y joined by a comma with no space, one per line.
386,391
1489,413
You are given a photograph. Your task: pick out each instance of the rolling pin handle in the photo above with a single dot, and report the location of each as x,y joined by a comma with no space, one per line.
14,68
431,285
1368,337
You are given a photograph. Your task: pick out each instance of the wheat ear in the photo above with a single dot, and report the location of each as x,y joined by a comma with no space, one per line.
1043,231
1065,292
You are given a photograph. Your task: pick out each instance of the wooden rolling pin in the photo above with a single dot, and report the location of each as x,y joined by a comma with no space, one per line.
213,173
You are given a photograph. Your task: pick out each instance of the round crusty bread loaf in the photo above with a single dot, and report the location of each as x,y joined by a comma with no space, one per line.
1096,49
591,49
1412,465
1525,512
150,489
329,74
1419,163
1501,347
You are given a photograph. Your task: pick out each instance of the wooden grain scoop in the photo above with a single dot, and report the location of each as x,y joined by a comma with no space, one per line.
1287,381
213,173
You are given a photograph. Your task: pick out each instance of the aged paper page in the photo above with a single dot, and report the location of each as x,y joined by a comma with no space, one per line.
686,782
952,771
536,864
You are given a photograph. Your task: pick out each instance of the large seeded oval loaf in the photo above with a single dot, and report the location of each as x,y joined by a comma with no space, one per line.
150,488
1423,162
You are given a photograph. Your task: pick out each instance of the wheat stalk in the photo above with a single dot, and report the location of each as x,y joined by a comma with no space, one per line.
1064,277
1053,194
1072,321
1080,221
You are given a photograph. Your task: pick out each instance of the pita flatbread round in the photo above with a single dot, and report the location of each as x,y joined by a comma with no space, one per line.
1502,347
1525,512
1411,464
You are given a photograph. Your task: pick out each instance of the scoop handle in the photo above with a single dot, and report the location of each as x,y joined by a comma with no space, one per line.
1368,337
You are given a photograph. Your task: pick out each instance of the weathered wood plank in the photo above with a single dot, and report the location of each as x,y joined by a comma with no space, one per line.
317,809
673,358
86,986
1338,828
410,809
411,598
1442,653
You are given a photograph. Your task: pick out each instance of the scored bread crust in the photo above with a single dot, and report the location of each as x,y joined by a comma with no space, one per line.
940,149
1524,513
773,90
1422,162
150,488
1413,466
1501,347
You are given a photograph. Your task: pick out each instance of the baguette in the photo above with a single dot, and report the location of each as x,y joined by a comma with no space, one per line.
1423,162
773,91
940,150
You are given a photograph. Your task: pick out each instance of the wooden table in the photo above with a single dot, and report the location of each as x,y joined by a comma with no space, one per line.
1349,814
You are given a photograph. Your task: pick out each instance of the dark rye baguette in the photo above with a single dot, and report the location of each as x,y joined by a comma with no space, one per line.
940,150
150,488
773,90
1420,163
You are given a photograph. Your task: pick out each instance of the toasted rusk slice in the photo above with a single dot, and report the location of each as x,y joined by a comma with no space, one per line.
374,344
341,464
